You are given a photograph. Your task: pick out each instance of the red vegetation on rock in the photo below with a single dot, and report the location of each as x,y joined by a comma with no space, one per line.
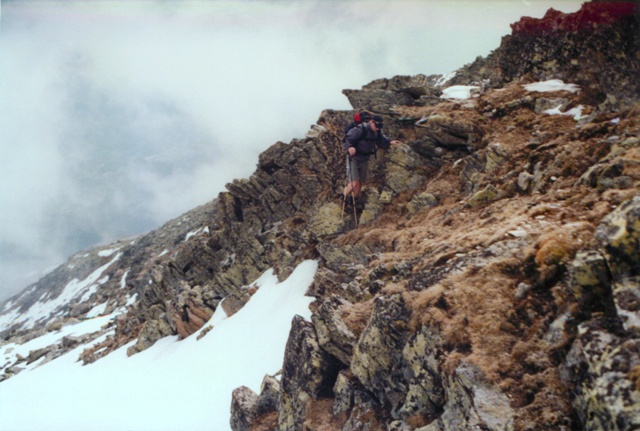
589,16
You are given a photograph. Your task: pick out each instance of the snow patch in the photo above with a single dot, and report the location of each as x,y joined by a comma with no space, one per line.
576,112
458,92
87,294
107,253
123,280
551,85
96,311
131,299
196,232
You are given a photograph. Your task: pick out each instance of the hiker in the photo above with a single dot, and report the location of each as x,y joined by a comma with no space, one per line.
361,142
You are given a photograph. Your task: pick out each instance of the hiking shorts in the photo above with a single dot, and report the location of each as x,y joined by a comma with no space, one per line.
357,170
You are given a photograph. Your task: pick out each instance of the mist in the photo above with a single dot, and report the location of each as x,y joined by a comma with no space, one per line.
116,117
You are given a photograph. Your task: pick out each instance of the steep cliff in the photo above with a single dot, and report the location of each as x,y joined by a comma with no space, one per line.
491,282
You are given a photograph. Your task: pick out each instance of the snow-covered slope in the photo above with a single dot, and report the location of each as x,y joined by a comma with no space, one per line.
174,385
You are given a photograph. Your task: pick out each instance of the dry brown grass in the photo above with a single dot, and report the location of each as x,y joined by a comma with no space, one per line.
472,310
416,421
561,244
634,375
320,417
266,422
356,316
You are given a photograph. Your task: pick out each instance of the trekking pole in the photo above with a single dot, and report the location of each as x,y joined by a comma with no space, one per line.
344,195
353,197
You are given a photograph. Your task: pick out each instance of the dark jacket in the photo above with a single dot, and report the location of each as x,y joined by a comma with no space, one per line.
365,141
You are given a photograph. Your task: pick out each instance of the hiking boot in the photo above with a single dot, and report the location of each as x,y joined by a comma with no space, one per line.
359,204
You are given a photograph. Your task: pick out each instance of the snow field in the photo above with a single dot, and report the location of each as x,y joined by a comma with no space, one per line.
174,385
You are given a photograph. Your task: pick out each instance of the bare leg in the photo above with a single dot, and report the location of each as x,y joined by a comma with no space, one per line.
355,187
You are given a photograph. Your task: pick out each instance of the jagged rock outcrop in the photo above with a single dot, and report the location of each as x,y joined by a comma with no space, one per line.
244,406
383,94
603,366
596,47
619,237
308,374
333,334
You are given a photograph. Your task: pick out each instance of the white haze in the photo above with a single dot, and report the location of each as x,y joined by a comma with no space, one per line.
118,116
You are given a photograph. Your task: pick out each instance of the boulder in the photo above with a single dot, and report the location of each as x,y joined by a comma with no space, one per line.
377,100
403,171
398,367
603,369
421,201
619,237
188,311
236,300
244,404
497,154
470,174
446,131
385,197
333,334
309,372
544,103
383,94
353,400
472,403
328,219
347,259
372,206
377,360
269,396
524,181
591,283
484,197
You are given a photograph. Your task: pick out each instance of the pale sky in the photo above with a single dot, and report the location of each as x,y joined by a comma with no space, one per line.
118,116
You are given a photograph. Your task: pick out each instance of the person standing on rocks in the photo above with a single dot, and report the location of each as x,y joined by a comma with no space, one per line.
360,143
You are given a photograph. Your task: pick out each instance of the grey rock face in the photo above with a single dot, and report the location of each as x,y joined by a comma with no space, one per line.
398,369
619,235
269,396
383,94
603,367
244,403
308,373
333,334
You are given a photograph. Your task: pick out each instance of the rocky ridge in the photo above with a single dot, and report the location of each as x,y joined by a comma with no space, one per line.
492,282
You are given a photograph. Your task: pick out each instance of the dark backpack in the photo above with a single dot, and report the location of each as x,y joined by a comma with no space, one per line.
358,118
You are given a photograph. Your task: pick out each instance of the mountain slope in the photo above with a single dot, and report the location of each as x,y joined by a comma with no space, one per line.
491,282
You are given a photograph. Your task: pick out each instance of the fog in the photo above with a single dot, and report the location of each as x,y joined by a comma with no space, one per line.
118,116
